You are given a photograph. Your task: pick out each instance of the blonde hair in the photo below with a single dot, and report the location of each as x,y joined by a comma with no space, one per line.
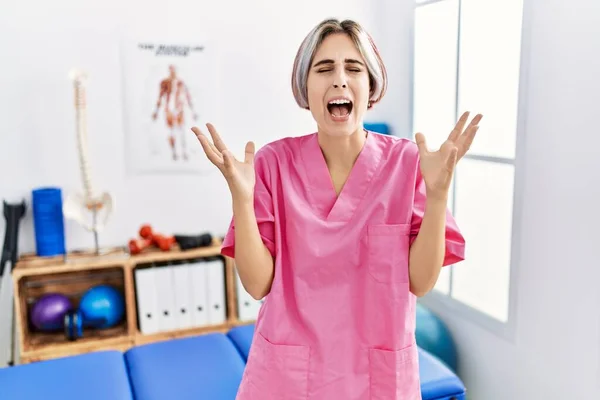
364,44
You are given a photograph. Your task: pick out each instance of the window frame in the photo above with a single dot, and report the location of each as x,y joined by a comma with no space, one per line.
446,303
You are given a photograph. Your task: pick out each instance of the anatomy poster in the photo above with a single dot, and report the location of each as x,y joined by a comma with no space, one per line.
169,86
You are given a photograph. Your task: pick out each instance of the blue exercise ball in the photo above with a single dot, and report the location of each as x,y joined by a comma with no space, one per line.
102,307
433,335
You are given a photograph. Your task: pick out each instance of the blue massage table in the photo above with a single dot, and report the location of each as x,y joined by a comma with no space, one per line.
95,376
205,367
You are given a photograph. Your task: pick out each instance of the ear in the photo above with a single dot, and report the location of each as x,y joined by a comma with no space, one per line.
370,103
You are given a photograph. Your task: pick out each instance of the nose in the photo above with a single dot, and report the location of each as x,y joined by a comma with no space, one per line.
339,79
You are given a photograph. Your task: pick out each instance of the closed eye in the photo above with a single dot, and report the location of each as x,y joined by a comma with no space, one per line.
351,64
355,70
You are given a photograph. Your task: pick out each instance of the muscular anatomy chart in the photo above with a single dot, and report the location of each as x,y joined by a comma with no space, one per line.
174,100
169,87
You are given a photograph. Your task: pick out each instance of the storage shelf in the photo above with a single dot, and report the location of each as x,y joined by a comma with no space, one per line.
73,275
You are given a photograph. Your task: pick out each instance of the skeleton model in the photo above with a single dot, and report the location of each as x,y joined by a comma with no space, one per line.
81,206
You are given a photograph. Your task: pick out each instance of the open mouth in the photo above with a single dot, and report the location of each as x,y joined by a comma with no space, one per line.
339,108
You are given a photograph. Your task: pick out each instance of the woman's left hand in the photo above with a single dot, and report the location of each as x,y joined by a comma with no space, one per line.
437,167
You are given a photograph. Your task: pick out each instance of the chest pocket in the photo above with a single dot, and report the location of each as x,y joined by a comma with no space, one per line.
388,252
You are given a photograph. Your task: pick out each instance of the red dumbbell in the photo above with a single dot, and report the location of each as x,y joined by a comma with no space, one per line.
136,246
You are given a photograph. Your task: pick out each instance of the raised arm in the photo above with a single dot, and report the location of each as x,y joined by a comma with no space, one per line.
250,246
430,249
253,259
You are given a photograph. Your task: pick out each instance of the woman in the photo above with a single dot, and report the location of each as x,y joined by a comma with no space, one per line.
341,230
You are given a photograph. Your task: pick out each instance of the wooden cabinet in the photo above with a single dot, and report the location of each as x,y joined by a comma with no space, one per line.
75,274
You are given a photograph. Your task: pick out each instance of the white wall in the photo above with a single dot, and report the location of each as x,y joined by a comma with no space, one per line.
555,351
41,42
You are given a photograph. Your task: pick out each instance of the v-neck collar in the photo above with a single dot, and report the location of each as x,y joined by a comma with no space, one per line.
321,190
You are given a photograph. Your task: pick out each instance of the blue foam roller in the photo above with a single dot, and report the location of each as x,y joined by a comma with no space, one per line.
48,221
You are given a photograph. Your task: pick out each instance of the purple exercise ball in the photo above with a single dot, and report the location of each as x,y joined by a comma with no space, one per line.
48,312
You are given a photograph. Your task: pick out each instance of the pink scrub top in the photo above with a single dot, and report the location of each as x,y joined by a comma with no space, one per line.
339,320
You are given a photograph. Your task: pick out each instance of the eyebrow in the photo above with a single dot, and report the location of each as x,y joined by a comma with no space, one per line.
329,61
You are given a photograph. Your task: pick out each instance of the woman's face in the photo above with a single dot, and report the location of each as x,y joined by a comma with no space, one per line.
338,86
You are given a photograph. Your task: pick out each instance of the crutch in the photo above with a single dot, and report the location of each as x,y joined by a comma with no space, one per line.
13,213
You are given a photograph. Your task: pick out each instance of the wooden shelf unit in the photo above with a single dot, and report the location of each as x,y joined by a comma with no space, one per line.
34,276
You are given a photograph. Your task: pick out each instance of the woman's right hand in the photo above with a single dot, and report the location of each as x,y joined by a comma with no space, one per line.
239,175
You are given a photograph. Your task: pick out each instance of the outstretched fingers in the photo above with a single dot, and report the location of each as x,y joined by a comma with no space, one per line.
220,145
421,144
472,126
459,127
466,139
466,142
213,154
249,153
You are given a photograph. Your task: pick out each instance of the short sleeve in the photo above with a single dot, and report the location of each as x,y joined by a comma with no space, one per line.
455,242
263,209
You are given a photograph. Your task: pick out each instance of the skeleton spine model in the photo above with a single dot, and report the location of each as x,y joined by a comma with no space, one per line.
82,135
76,205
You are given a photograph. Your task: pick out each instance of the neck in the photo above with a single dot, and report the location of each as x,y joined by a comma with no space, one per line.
342,152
